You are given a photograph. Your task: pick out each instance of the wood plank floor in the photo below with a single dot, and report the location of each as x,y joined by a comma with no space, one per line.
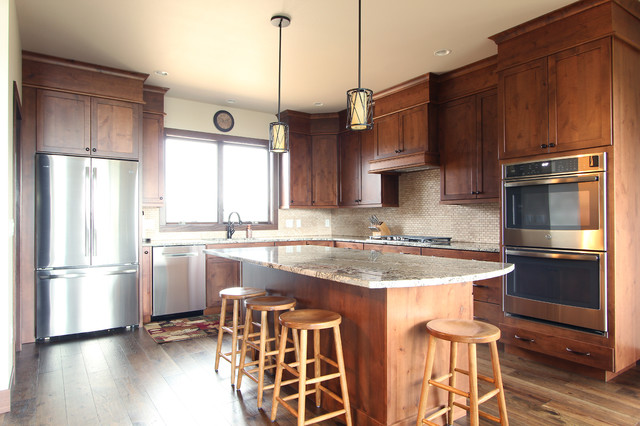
123,377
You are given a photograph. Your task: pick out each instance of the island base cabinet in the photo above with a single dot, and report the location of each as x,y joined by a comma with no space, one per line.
221,273
384,338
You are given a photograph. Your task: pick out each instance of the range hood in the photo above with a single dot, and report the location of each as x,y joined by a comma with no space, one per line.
405,123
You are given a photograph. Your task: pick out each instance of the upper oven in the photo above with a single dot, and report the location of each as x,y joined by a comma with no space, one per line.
556,203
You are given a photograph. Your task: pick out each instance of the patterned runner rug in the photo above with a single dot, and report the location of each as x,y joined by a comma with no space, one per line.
183,328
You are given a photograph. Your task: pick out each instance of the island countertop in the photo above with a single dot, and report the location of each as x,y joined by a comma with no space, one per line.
369,269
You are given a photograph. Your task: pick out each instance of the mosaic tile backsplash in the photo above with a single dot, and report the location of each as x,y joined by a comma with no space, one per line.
420,213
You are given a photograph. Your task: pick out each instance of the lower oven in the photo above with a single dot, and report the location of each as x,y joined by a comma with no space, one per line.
566,287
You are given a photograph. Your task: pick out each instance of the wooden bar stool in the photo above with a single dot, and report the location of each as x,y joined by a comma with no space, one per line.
236,294
472,333
264,305
316,320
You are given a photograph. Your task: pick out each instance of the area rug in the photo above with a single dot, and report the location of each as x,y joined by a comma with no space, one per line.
183,328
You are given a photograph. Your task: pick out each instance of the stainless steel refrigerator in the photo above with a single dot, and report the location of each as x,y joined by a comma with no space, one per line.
86,244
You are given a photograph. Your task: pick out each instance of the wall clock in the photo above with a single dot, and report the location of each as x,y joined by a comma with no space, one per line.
223,120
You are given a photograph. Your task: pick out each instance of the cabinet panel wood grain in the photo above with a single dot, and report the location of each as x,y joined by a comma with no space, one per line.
414,128
324,154
458,148
146,271
300,169
386,135
349,245
488,312
115,130
488,169
350,170
63,123
152,159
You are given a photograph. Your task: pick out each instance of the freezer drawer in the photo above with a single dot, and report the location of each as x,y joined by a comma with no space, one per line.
178,279
70,301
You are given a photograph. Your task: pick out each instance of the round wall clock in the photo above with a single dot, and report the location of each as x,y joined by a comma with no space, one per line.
223,121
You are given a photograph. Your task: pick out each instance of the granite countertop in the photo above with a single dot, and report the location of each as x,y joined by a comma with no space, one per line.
454,245
370,269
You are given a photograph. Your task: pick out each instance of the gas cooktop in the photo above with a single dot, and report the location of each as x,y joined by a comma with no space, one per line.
413,239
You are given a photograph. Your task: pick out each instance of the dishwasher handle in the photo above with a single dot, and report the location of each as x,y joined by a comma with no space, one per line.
180,254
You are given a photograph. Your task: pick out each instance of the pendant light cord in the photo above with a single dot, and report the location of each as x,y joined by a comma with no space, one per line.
359,40
279,64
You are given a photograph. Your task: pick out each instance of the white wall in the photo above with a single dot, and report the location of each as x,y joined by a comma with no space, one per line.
197,116
10,71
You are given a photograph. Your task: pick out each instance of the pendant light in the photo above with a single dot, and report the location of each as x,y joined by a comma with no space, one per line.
279,131
359,100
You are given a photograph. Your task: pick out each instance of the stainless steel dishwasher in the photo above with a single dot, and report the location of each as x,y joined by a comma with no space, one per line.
178,279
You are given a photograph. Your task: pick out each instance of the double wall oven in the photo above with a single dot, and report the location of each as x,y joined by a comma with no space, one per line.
554,216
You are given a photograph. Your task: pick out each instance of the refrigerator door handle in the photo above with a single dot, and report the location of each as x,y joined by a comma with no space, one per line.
87,214
80,274
94,251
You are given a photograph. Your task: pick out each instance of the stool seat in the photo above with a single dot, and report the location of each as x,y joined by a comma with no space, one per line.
270,303
310,319
239,293
463,331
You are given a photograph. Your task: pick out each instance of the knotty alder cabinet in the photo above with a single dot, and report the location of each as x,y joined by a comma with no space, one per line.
560,102
358,187
69,123
153,146
468,149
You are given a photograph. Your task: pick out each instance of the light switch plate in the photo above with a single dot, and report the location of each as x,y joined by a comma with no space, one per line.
288,223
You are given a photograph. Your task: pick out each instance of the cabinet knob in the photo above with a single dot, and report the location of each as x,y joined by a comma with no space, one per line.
551,145
544,145
94,150
146,252
161,198
86,149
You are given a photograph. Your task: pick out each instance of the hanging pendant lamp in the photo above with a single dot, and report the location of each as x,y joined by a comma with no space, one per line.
359,100
279,131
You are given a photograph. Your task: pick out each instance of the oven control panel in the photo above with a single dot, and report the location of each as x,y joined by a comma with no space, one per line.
556,166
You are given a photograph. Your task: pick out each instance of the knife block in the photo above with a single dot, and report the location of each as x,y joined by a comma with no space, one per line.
381,229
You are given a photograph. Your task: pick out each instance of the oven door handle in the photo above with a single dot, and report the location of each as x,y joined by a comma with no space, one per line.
552,181
565,256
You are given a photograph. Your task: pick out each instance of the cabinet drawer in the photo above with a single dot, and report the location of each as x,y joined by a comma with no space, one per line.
489,290
392,249
488,312
572,350
345,244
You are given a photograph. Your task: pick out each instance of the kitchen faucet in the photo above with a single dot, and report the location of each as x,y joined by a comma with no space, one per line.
230,228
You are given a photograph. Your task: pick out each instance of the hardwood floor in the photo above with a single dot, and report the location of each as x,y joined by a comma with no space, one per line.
123,377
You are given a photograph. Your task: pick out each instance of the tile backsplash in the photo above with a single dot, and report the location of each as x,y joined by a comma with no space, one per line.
420,213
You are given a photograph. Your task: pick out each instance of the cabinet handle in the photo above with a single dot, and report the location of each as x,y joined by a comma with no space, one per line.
86,149
524,339
146,252
578,353
292,201
94,150
544,145
551,145
480,319
480,286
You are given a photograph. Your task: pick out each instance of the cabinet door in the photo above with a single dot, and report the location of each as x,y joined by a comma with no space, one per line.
115,129
63,123
300,170
580,96
221,273
152,159
488,168
386,135
324,155
146,268
350,162
414,130
457,131
523,100
371,189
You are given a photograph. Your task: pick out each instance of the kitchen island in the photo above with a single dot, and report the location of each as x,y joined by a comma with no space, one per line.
385,300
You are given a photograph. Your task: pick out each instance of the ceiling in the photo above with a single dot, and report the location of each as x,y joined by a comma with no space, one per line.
217,52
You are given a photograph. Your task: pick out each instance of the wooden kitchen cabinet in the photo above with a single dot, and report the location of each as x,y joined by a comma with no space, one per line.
320,243
349,245
146,284
561,102
153,146
467,130
324,170
299,170
358,187
401,133
83,125
386,248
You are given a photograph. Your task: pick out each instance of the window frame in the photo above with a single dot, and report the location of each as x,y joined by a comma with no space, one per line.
221,225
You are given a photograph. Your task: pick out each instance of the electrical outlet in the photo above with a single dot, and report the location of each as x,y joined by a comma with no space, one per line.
288,223
298,223
327,223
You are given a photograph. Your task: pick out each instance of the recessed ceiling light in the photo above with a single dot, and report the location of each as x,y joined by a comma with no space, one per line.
442,52
231,101
318,104
161,73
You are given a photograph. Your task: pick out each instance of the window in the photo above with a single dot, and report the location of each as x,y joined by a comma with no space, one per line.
208,176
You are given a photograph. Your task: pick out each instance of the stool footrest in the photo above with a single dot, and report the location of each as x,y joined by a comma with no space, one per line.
438,413
328,360
449,388
319,379
330,393
479,376
480,412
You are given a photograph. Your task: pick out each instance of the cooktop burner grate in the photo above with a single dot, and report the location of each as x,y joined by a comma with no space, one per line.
413,239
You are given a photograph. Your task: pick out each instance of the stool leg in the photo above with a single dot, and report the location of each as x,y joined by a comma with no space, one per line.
223,311
248,328
497,377
343,375
263,339
296,342
316,363
428,369
302,382
473,386
234,342
279,362
453,360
